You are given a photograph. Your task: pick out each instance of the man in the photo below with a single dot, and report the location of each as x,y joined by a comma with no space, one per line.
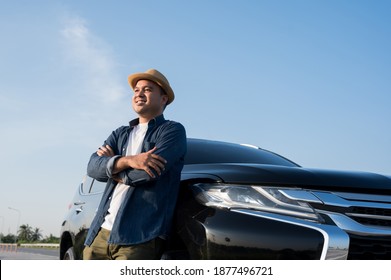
141,163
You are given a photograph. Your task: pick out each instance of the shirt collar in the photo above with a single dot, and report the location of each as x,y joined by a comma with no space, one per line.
155,121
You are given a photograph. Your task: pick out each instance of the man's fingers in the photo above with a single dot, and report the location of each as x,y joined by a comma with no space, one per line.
151,153
110,150
100,151
158,163
157,167
105,151
152,150
151,163
154,165
149,172
159,158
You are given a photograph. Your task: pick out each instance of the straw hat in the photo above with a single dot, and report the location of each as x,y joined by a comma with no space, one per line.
154,76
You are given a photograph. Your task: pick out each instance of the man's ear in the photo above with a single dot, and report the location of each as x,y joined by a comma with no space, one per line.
165,99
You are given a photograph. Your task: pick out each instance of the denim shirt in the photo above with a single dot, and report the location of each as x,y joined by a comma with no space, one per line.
149,205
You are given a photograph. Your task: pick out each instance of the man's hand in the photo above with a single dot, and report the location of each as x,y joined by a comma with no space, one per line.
147,161
105,151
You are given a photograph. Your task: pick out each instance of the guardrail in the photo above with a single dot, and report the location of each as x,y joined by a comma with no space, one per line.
41,245
13,247
8,247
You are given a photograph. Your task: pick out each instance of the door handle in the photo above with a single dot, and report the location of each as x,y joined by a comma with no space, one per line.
79,203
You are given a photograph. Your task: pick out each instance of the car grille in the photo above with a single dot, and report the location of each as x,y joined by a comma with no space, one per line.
371,216
369,248
366,218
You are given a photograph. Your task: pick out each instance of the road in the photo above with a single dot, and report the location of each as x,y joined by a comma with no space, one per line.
30,254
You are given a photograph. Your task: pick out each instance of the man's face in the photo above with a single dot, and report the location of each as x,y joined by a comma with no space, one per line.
148,100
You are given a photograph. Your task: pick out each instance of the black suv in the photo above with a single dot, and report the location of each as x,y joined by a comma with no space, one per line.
243,202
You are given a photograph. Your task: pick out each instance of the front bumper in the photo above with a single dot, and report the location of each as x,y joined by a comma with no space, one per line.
247,234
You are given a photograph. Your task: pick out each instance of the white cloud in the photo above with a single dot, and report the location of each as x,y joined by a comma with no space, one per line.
96,97
93,59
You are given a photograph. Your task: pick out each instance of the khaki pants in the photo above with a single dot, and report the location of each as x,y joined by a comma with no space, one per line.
101,250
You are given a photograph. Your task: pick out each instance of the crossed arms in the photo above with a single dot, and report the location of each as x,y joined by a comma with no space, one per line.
163,152
147,161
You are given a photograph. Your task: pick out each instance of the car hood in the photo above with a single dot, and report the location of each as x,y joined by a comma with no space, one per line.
321,179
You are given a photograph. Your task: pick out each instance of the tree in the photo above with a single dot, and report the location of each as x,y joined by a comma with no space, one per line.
36,235
25,233
10,238
51,239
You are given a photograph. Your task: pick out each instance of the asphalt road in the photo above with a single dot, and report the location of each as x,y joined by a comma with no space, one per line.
30,254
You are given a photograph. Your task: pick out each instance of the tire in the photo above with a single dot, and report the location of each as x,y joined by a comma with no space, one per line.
69,254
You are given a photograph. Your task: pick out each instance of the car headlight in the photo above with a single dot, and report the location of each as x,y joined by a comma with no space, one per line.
264,198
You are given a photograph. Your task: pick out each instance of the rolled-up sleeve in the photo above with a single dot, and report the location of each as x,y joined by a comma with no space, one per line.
110,166
101,167
97,167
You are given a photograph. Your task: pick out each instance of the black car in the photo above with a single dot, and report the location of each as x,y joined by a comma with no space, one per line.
243,202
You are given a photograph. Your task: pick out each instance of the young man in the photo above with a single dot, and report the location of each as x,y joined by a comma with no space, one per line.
141,163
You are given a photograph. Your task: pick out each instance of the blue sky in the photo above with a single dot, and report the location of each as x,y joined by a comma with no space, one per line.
309,80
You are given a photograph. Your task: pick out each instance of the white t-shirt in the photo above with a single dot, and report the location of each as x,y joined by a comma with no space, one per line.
135,142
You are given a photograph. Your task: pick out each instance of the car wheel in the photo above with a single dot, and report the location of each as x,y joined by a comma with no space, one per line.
69,254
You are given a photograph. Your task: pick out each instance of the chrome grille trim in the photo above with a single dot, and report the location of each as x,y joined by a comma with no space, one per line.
364,197
332,199
363,207
368,216
351,226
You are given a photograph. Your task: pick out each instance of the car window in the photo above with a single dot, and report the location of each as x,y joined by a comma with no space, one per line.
86,185
92,186
97,187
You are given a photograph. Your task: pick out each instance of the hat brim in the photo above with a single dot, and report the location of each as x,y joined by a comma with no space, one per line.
134,78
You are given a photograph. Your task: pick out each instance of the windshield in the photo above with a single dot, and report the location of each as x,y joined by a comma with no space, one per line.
206,151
